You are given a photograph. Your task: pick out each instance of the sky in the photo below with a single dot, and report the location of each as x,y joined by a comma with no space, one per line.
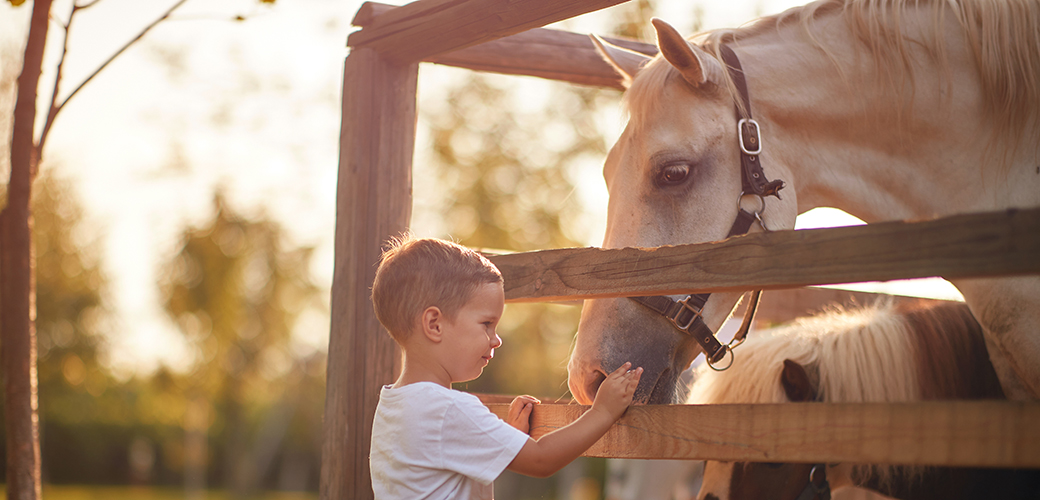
204,103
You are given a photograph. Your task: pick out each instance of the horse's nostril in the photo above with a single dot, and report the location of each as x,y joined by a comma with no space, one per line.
586,392
595,381
709,496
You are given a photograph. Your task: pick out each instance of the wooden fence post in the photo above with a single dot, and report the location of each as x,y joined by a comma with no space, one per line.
374,200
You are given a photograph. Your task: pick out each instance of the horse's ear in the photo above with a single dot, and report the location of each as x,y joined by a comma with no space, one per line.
626,62
796,382
696,66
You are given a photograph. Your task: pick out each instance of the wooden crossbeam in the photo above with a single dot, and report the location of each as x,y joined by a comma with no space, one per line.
961,246
424,28
946,433
541,52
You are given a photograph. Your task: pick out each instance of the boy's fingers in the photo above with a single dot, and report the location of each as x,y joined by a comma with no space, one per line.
621,370
525,399
633,379
634,374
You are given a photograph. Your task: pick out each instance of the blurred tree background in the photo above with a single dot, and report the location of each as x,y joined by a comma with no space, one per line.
235,292
245,417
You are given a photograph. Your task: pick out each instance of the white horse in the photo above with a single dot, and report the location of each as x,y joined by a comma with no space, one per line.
886,109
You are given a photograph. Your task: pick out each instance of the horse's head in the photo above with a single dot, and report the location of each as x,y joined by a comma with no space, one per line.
674,177
763,481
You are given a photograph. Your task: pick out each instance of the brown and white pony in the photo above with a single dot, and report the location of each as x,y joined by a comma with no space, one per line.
886,109
882,353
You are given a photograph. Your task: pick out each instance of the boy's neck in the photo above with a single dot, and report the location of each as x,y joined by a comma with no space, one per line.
417,368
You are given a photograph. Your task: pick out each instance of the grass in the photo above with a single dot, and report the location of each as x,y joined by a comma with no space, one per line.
73,492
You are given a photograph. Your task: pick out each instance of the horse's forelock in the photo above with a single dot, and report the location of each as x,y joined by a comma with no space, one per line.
643,100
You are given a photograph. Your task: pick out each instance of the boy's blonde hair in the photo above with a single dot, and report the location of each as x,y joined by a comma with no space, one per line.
416,273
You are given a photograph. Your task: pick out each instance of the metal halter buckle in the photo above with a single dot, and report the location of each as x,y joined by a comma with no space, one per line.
755,139
677,319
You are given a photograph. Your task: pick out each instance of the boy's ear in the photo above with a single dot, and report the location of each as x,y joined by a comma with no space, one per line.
432,323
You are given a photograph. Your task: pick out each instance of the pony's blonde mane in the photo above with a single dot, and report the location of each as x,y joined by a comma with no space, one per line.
858,356
1001,34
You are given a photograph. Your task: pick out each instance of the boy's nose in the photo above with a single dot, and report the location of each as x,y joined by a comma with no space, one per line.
496,341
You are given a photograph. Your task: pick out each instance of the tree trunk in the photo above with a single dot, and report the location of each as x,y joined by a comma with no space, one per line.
17,320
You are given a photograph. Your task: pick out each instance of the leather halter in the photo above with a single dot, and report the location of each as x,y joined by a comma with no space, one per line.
685,314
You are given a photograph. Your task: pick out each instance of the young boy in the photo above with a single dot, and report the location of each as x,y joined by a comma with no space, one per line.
442,302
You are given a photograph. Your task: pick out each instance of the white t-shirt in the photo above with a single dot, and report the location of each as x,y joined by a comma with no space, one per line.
430,442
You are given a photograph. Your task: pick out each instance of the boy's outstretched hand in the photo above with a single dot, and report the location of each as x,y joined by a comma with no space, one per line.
615,393
520,412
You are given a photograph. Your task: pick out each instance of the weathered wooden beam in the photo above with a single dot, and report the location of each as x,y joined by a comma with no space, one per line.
425,28
948,433
961,246
373,202
541,52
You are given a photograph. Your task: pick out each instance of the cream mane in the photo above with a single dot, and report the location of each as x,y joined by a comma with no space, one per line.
860,355
1001,34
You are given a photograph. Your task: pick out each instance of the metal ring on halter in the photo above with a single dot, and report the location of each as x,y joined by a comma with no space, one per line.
812,473
819,469
724,368
756,213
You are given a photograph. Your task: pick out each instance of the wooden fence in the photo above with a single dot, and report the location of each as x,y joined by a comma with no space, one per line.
374,202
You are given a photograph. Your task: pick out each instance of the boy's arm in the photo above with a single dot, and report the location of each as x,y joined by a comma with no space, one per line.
550,453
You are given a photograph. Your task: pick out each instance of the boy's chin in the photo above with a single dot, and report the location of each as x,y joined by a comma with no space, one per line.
465,379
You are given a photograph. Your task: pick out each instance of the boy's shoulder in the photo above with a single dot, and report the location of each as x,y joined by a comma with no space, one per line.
423,393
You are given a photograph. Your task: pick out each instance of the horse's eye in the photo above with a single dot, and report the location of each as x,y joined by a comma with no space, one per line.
673,175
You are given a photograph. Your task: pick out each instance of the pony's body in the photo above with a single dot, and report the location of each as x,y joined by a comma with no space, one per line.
884,353
884,110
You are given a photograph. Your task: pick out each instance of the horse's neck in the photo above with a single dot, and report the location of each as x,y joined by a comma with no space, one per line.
849,144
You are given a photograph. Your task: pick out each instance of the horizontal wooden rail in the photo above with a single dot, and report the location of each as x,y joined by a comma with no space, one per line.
424,28
541,52
961,246
948,433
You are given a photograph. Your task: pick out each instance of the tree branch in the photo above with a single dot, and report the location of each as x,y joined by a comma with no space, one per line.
52,110
88,4
56,109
